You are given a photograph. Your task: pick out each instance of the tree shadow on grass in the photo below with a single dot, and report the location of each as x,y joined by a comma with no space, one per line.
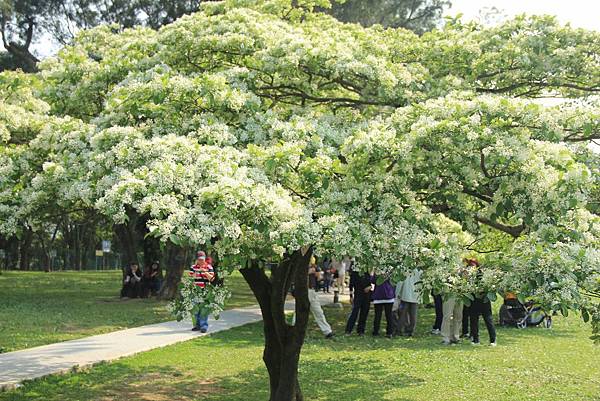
321,381
117,381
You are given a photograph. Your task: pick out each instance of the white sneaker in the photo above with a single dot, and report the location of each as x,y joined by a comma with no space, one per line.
493,344
436,332
475,344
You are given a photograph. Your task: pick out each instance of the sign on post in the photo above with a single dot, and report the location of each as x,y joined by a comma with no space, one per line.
106,246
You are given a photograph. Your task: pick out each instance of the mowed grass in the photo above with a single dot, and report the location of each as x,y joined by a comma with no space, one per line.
38,308
528,365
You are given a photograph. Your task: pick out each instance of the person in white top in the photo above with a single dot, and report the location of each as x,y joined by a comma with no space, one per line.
408,296
342,267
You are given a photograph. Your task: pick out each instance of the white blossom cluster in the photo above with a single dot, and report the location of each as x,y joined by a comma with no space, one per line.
192,298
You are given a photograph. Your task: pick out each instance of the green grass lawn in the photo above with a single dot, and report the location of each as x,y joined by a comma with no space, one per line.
39,308
533,364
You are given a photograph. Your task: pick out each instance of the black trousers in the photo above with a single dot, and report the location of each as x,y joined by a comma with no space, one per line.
132,290
360,309
389,327
478,307
439,313
466,320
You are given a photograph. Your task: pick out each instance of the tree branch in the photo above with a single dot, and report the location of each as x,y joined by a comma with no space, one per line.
514,231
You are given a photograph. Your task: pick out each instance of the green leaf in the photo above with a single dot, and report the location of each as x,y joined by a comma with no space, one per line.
175,239
585,315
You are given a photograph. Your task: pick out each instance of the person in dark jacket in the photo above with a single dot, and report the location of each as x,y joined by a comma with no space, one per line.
383,299
360,294
481,305
152,279
132,283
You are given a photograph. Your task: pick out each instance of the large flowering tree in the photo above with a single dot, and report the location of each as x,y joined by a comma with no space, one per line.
271,133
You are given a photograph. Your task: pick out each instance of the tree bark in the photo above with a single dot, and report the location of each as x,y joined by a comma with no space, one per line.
128,238
283,342
20,51
25,250
176,258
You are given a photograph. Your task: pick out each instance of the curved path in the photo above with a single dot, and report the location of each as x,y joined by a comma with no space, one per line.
32,363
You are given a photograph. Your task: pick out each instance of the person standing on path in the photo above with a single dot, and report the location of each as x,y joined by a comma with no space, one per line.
341,279
409,295
203,274
360,296
383,299
315,304
336,267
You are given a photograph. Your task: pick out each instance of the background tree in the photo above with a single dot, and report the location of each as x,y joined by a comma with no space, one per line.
25,22
417,15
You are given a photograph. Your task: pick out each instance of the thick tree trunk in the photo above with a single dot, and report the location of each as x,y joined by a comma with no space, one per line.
128,241
283,342
175,264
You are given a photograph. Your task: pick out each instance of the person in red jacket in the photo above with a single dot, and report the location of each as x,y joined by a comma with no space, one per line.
203,274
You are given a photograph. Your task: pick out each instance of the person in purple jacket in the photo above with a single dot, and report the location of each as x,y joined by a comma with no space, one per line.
383,299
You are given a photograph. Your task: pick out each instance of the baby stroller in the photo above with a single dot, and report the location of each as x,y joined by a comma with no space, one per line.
515,313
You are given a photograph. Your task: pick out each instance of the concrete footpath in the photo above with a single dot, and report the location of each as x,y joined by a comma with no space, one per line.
32,363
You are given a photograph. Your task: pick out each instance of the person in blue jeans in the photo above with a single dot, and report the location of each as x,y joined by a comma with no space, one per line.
201,322
203,274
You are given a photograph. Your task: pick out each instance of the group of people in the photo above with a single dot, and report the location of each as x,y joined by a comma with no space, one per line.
141,284
400,303
331,272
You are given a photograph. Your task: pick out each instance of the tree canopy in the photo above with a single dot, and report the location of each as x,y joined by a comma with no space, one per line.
269,131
